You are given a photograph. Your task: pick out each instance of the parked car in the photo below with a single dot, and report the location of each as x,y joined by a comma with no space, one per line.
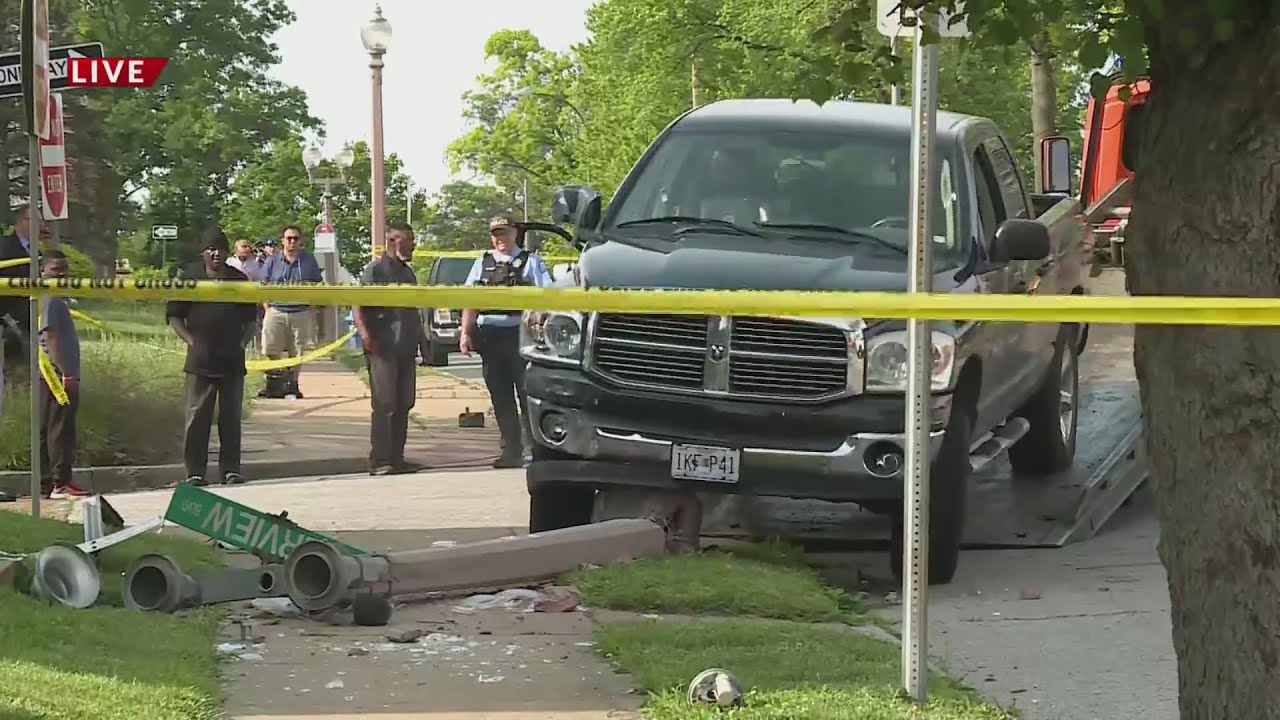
442,325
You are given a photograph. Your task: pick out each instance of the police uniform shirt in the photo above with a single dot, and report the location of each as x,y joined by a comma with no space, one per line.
533,272
396,330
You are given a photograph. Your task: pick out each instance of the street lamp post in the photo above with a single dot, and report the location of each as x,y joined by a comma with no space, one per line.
313,158
376,36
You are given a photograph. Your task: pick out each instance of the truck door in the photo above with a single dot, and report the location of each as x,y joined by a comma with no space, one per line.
1005,368
1038,336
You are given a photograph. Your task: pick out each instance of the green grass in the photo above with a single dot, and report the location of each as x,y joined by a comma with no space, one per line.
131,393
104,663
762,581
790,671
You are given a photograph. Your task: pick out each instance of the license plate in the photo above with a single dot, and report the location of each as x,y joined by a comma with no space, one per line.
705,463
444,316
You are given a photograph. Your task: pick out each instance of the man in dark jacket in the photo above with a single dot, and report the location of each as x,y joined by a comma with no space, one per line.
216,335
390,338
15,247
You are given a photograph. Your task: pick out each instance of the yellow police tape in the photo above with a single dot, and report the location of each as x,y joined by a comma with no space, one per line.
312,356
255,365
50,373
885,305
14,262
474,254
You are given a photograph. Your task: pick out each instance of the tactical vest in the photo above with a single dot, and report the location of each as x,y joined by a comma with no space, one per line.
502,274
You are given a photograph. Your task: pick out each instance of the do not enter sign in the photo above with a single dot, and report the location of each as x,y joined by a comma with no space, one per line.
53,164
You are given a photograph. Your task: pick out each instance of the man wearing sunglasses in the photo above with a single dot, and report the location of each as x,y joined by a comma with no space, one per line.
495,334
289,329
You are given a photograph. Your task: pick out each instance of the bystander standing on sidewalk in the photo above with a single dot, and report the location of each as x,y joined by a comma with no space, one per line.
61,343
289,329
216,335
390,338
247,260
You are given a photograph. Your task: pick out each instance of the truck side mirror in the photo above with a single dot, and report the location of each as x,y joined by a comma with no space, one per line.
1019,239
576,205
1055,165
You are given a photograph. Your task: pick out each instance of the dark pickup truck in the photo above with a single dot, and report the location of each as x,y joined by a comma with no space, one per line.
776,195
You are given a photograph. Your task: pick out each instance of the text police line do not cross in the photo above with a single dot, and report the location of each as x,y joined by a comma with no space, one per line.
11,68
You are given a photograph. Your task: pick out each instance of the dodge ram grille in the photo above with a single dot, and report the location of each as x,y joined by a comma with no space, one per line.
751,358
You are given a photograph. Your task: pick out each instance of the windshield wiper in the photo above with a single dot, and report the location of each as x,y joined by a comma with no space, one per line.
836,230
698,223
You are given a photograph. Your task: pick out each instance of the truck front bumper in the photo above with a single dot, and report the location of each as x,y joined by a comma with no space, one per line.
622,438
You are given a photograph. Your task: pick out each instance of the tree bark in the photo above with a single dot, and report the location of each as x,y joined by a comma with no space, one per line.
1044,98
1206,221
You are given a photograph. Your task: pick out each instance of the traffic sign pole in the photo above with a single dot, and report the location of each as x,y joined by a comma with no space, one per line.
915,575
35,55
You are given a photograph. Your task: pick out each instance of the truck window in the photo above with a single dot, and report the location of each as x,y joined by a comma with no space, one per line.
452,270
1135,121
990,205
1006,173
856,180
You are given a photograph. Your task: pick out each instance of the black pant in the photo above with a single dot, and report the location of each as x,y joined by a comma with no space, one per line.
393,391
503,369
57,436
227,392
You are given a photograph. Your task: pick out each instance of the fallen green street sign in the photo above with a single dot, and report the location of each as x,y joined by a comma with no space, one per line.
270,537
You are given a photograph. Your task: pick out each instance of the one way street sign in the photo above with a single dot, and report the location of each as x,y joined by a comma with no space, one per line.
11,68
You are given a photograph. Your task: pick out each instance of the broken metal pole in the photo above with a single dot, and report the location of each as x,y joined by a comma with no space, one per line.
319,576
155,582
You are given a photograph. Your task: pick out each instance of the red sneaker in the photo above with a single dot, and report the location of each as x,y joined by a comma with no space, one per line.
68,490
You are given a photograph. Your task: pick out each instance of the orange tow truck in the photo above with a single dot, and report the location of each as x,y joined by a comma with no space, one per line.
1112,141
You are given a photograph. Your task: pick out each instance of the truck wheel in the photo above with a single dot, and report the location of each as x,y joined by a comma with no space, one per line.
948,490
1050,445
554,506
439,355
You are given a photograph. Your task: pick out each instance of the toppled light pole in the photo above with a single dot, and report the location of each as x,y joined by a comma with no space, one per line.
319,576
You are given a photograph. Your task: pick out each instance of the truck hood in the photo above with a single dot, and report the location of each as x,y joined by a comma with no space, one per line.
747,263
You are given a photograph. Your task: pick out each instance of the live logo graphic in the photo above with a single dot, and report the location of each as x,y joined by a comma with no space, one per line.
84,72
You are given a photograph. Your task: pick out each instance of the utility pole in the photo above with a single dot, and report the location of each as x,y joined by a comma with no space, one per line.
895,93
524,195
693,81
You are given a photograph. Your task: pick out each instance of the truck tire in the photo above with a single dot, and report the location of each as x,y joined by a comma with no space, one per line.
1050,445
439,355
554,506
948,491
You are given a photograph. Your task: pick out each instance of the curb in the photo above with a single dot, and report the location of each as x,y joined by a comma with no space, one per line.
128,478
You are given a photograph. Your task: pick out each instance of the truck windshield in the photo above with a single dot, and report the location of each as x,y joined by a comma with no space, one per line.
844,187
453,271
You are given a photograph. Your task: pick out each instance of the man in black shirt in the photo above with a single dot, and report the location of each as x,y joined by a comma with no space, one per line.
15,247
390,338
216,335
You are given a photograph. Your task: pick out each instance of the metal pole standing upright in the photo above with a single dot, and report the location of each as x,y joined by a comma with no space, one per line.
915,563
895,92
378,193
33,335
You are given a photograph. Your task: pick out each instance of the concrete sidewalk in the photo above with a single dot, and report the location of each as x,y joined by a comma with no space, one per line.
332,421
324,433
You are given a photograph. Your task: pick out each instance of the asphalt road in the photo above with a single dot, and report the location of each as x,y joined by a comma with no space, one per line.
463,367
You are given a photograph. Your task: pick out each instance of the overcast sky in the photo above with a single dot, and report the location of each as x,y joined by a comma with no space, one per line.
436,52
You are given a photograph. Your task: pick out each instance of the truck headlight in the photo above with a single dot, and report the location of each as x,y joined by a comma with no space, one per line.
887,362
554,337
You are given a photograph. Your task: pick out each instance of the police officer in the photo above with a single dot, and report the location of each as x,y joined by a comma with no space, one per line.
390,338
495,334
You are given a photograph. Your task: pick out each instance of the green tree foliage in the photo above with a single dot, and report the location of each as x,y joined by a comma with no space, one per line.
523,122
273,190
165,154
587,115
457,217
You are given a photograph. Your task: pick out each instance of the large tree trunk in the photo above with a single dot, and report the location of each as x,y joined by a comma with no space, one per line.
1044,98
1206,221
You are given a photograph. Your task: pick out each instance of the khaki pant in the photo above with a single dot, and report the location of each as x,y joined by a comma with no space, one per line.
288,334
